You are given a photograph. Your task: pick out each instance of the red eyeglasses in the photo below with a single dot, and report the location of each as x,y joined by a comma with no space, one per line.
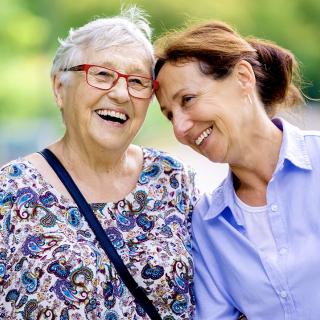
104,79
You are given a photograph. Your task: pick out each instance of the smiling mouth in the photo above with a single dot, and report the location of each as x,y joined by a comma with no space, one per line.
111,115
205,134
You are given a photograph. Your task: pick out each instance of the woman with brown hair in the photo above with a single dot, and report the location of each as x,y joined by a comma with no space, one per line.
256,237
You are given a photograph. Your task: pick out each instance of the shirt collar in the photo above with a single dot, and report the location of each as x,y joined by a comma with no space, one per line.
293,148
221,198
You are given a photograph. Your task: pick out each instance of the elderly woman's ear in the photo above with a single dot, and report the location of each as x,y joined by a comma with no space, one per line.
58,89
245,76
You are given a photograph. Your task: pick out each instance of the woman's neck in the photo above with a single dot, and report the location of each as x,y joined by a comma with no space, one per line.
104,175
92,158
256,165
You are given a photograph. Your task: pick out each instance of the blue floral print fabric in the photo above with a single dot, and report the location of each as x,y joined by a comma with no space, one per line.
51,266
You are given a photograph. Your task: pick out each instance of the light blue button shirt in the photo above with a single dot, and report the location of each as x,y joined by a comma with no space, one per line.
231,274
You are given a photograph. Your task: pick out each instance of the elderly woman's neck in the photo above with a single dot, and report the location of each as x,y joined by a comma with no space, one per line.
109,176
82,158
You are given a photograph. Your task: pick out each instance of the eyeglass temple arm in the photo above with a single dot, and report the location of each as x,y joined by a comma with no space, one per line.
75,68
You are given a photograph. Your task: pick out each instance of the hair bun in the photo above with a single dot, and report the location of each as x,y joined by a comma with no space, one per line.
277,74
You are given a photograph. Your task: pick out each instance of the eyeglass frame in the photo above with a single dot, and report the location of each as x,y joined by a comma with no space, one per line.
85,67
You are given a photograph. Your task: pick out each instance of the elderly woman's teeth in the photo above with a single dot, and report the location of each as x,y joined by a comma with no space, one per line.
203,135
112,115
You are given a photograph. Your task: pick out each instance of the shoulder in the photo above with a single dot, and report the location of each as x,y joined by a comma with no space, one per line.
14,176
212,203
166,166
10,183
160,156
168,162
12,171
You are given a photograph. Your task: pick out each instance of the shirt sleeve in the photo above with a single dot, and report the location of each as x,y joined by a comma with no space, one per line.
193,195
3,255
211,302
6,204
4,250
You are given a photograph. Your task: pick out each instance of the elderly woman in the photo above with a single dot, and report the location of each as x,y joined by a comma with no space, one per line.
256,237
51,264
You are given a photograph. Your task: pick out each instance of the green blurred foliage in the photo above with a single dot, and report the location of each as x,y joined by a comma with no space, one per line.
29,30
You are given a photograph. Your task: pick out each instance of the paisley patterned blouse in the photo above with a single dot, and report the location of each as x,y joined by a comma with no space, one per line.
51,266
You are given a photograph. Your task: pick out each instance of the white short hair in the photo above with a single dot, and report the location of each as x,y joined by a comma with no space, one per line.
130,27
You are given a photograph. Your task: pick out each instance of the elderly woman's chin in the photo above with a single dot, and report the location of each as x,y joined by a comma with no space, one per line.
109,135
104,127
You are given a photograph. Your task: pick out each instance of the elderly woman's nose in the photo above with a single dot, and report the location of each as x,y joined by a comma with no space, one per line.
120,91
181,125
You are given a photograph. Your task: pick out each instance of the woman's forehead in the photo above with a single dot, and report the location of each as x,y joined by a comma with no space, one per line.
179,73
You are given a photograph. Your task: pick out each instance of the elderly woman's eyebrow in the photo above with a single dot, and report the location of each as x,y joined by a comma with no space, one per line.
140,70
133,69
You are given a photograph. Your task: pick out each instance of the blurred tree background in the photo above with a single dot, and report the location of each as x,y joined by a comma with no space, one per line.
29,30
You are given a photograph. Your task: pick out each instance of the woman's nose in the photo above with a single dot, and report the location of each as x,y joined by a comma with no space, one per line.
181,125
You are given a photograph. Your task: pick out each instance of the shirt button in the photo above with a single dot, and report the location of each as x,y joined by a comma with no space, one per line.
274,208
283,294
283,251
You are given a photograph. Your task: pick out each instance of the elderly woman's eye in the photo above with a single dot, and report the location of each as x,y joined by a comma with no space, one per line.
104,74
135,80
139,83
101,74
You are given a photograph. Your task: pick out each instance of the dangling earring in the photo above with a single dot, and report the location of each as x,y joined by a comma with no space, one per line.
249,98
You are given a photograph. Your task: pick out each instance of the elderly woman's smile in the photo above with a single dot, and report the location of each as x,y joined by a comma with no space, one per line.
113,116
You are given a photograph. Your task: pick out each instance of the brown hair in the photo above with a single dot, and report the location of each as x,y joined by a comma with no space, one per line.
218,48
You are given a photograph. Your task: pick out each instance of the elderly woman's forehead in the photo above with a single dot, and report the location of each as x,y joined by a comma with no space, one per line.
128,56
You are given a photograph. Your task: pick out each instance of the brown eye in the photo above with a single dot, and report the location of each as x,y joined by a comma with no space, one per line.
186,99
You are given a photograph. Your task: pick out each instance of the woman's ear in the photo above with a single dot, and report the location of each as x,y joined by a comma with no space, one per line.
245,76
58,89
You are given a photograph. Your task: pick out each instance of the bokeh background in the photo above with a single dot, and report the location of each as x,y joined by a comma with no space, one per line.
29,30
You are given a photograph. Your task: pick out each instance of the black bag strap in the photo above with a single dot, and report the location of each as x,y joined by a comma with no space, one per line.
85,209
